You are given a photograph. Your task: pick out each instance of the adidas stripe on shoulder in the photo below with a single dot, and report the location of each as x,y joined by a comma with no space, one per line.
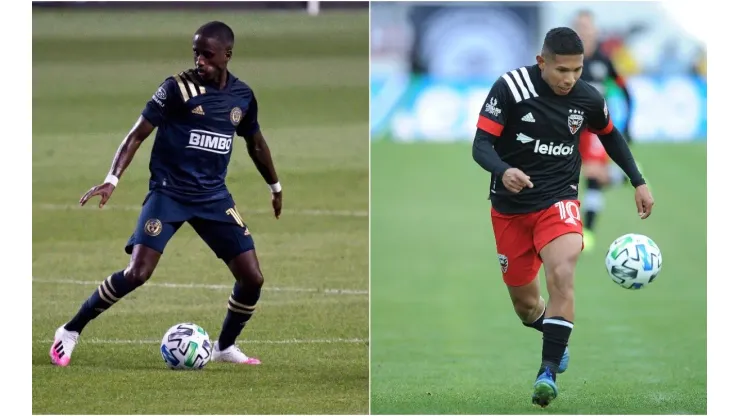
520,85
188,85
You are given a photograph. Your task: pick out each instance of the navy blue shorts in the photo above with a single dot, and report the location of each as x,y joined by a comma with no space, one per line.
218,223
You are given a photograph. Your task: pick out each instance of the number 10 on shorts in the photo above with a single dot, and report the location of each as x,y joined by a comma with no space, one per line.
569,212
238,218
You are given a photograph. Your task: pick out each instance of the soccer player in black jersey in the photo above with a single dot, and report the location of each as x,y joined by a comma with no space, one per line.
527,137
197,113
597,70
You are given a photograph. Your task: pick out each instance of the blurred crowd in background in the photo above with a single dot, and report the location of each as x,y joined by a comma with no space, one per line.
433,63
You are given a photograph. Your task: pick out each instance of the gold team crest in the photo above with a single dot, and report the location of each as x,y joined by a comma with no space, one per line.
236,115
153,227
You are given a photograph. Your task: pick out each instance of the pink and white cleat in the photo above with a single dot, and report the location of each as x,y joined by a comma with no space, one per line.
62,347
232,355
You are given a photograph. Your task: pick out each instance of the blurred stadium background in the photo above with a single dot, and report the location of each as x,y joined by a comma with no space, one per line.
95,65
444,336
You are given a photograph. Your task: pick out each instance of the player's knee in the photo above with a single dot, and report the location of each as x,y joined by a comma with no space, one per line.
526,307
256,278
138,273
251,276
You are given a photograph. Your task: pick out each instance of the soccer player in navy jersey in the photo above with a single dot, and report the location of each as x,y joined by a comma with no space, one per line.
197,113
527,138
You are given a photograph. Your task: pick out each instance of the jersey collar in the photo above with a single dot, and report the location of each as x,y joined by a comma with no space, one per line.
540,84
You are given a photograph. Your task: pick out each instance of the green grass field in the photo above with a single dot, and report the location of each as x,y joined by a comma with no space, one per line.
92,74
445,338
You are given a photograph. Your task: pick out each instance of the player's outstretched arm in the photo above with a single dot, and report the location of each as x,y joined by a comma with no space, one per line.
123,157
259,151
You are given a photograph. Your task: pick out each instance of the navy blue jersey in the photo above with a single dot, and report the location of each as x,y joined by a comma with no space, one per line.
196,126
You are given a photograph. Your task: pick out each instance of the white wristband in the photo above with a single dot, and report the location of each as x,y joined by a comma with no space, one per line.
111,180
275,187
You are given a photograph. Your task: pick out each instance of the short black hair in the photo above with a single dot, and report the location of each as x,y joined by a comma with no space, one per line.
562,41
218,30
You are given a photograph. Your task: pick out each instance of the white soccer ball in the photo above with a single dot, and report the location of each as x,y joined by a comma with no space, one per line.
186,346
633,261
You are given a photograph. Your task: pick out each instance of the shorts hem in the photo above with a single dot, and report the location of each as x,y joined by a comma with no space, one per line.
538,250
129,248
518,284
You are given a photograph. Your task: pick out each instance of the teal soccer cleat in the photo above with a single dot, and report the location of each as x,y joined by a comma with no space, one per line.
545,390
564,362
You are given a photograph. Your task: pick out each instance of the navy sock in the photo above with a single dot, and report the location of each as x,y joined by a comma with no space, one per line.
556,332
113,289
242,303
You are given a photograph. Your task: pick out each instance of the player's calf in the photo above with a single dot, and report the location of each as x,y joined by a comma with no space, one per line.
243,300
532,313
107,294
559,257
528,304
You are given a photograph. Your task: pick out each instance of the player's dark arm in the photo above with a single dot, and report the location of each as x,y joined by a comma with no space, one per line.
485,155
617,149
259,151
490,126
130,144
123,157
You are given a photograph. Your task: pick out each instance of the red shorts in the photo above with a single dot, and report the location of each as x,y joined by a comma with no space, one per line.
591,149
520,237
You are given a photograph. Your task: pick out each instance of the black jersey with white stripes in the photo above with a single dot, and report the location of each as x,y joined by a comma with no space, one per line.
537,131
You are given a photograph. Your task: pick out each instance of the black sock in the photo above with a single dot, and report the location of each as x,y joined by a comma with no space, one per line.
241,306
537,324
556,332
593,202
113,289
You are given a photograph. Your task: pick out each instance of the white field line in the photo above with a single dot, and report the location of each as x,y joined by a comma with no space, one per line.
115,207
209,287
253,341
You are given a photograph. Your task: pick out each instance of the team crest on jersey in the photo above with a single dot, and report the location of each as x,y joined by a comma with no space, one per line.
236,115
575,120
153,227
504,262
491,107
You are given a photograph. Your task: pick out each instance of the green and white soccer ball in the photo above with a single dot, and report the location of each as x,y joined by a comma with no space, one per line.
633,261
186,346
